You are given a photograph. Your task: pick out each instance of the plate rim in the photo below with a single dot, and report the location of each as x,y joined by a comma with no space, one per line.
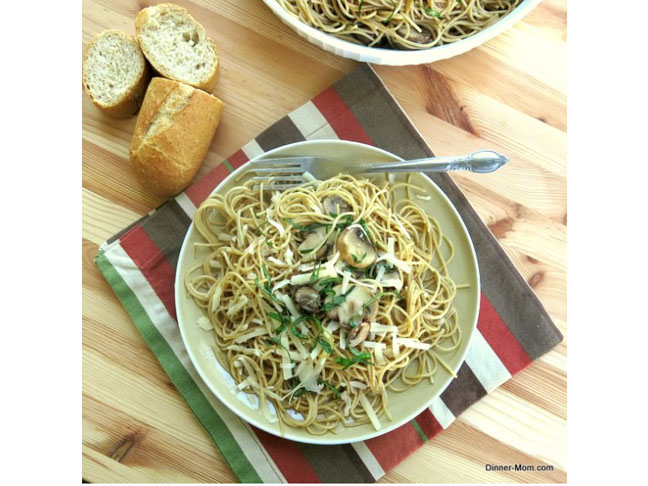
316,440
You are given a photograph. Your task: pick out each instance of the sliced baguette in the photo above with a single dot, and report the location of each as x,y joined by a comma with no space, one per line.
115,73
177,46
172,135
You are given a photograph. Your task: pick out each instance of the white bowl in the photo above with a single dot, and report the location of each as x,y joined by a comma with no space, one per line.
396,57
403,406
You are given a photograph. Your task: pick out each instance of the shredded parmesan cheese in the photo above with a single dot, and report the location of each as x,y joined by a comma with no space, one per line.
370,412
280,228
413,343
347,403
237,306
244,350
215,302
259,331
204,323
346,277
276,261
382,328
400,225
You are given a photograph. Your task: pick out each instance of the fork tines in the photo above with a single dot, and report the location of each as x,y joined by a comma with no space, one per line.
275,172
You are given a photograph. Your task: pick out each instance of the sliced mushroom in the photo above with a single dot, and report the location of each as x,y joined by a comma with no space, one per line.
371,311
355,248
307,298
353,306
335,205
315,245
423,37
359,333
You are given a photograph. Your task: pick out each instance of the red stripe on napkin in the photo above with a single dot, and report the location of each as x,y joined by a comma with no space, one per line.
288,458
152,263
500,338
428,423
238,158
340,117
198,192
391,448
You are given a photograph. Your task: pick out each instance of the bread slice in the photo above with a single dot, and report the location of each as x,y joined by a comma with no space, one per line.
177,46
173,132
115,73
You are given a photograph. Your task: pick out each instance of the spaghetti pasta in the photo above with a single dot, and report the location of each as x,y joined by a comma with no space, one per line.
327,296
400,24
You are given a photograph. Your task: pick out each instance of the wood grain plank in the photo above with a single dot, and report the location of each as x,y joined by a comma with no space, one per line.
513,420
460,455
141,447
102,218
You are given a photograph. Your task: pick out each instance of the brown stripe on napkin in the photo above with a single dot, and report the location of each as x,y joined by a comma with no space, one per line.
332,463
281,133
463,391
167,228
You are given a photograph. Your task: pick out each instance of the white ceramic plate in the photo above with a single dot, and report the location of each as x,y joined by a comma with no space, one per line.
403,406
396,57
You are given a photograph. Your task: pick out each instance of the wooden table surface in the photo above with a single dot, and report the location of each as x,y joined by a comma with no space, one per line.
508,95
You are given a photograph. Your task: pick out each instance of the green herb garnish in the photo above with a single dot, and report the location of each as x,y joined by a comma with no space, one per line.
303,318
267,290
326,346
363,223
386,21
337,300
296,333
298,226
275,341
328,385
379,295
363,358
284,320
356,259
315,275
330,281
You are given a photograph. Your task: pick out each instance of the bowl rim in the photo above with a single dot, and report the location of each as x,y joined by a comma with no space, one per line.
396,57
317,440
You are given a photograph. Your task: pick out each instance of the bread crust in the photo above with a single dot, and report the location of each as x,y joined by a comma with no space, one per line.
140,20
128,105
172,135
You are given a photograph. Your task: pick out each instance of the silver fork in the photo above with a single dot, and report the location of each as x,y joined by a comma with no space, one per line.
288,172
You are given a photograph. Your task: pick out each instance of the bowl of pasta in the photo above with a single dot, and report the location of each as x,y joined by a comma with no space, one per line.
331,312
400,32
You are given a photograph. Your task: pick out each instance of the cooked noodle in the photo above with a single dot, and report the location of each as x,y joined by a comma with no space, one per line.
254,261
400,24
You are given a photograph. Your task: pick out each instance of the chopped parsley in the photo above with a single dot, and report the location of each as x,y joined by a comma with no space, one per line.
337,300
379,295
331,387
386,21
357,357
356,259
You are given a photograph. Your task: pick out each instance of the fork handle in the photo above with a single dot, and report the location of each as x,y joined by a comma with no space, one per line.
482,161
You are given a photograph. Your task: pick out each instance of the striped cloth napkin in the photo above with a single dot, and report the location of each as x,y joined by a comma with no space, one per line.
139,263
